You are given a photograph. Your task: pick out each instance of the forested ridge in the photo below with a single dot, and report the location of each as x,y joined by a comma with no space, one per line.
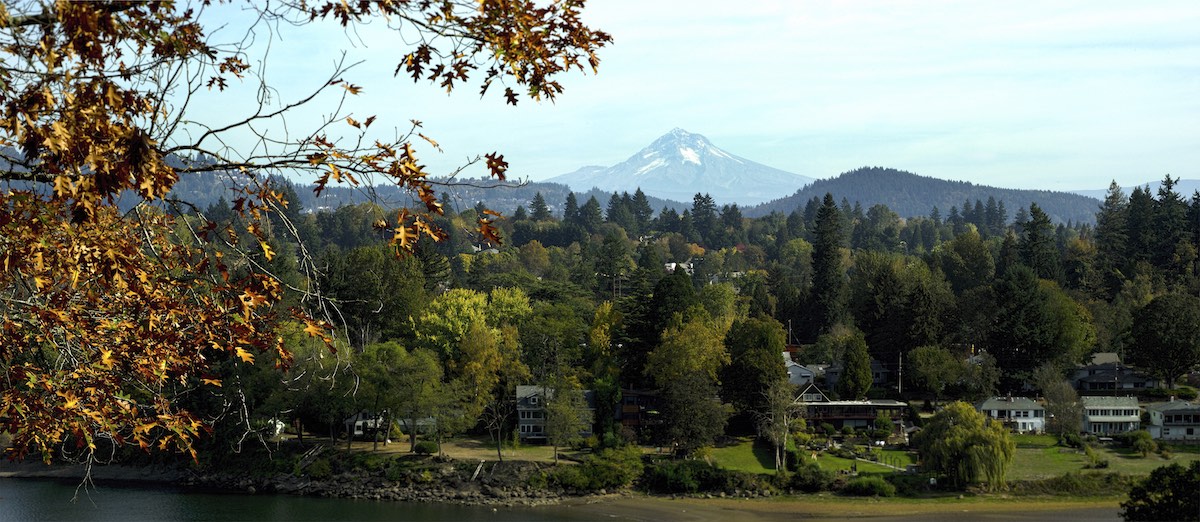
909,194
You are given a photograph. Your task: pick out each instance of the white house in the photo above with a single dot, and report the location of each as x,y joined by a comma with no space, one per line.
1020,414
1175,420
1104,415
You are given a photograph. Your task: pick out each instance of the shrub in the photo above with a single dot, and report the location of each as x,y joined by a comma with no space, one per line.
1070,440
909,485
808,476
691,476
614,467
1140,441
872,486
425,447
1094,460
319,469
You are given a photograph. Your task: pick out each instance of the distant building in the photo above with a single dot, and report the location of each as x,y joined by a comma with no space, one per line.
531,412
1175,420
638,409
855,414
1019,414
1111,376
798,374
880,374
1110,415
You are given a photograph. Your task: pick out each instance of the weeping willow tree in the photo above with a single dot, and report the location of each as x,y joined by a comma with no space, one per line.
966,447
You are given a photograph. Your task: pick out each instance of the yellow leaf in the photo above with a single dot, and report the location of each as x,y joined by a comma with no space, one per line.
244,355
106,359
267,251
212,382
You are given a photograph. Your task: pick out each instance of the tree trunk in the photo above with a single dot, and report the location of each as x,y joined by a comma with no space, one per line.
412,435
499,453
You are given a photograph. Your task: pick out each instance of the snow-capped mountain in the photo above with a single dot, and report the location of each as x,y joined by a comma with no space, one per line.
680,164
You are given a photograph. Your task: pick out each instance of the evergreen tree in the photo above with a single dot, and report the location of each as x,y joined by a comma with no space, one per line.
1140,228
856,377
519,214
829,284
667,221
571,210
642,213
538,208
1112,238
1170,218
619,214
704,218
589,215
1038,246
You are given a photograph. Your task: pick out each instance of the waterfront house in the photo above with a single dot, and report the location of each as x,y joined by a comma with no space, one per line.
1111,376
531,412
1019,414
1175,420
1103,415
798,374
855,413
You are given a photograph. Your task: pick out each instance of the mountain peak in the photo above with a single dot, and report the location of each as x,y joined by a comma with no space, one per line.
679,164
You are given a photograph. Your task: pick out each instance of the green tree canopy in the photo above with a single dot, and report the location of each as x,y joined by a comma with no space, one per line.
1166,336
966,447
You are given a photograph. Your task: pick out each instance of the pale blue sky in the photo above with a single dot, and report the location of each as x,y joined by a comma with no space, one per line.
1053,95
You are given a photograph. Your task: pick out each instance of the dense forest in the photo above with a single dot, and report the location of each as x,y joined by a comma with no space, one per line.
698,305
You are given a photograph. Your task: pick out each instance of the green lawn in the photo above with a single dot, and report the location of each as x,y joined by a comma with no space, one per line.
1037,457
745,456
757,458
1037,460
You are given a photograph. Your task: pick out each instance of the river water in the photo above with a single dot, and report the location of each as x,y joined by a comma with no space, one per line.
50,499
44,499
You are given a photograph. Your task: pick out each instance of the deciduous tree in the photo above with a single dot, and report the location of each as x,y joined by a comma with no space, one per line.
107,318
966,447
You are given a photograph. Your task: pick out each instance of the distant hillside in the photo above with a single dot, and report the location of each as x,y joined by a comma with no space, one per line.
910,195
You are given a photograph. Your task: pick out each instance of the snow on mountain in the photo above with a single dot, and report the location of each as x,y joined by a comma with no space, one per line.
680,164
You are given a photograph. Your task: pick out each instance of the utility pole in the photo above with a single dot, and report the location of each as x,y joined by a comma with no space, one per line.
900,376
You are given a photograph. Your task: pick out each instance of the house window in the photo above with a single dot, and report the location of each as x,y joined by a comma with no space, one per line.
533,400
1189,432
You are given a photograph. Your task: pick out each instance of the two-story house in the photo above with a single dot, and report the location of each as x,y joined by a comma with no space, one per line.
1111,376
1104,415
1175,420
531,412
855,414
1019,414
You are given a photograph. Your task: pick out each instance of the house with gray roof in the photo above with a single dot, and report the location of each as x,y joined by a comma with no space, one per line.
1104,415
1175,420
1019,414
531,411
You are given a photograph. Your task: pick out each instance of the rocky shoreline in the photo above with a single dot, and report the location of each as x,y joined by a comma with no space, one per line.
448,488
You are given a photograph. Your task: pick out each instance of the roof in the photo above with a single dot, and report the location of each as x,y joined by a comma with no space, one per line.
1174,406
527,391
1009,403
1105,357
1120,376
1100,401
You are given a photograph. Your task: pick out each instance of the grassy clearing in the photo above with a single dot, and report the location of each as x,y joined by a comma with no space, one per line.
745,456
1036,459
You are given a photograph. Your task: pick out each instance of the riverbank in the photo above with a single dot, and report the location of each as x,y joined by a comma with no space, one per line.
624,505
493,484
